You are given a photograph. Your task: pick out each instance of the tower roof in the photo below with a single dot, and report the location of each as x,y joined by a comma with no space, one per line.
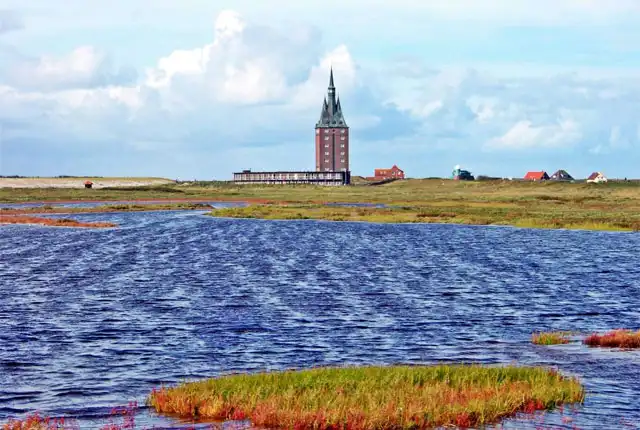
331,114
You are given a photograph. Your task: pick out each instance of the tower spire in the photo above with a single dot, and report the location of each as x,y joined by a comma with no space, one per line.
331,78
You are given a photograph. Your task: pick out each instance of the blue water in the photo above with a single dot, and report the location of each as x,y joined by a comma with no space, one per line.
91,319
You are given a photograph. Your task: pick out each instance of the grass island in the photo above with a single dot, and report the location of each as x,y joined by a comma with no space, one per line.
359,398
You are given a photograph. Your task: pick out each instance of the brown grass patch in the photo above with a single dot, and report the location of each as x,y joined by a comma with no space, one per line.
615,339
52,222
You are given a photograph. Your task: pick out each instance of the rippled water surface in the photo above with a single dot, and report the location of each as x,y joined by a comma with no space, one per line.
91,319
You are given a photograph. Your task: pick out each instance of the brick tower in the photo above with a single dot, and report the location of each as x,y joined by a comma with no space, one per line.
332,134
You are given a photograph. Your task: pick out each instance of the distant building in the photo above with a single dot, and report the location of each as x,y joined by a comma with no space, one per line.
561,175
393,173
459,174
331,148
332,134
597,177
536,176
316,178
88,184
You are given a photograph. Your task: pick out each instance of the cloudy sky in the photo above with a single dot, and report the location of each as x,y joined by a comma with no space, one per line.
202,88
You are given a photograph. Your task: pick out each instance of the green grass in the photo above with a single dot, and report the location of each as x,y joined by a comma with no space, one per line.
397,397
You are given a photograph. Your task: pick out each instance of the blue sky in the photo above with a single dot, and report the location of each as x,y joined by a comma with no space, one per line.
199,88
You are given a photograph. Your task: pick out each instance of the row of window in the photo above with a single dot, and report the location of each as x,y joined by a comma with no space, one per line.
326,145
329,131
327,138
283,176
342,153
327,160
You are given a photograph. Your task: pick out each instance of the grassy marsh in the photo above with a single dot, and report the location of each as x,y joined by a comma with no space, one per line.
125,207
610,206
462,214
359,398
52,222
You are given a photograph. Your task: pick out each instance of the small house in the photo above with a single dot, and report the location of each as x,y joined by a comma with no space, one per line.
393,173
536,176
596,178
561,175
88,184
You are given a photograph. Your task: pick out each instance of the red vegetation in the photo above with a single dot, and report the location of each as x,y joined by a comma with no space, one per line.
125,414
615,339
35,422
52,222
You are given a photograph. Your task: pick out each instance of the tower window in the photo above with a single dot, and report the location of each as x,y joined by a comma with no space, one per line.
326,145
342,161
342,131
326,137
326,153
342,145
341,137
342,153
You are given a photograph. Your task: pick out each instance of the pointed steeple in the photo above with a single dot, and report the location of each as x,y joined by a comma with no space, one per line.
331,109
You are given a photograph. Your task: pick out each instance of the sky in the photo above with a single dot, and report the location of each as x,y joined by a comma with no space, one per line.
198,89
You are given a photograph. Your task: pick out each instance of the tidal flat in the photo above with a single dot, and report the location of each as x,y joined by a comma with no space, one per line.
95,318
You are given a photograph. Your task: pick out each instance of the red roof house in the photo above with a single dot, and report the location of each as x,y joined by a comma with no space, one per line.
536,176
393,173
597,177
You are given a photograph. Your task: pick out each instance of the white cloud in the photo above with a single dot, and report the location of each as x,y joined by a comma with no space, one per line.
84,67
525,135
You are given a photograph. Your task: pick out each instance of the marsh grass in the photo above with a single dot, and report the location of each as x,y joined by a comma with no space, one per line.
461,214
123,207
550,338
626,339
358,398
52,222
611,206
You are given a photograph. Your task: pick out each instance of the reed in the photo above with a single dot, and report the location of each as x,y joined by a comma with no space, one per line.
358,398
627,339
550,338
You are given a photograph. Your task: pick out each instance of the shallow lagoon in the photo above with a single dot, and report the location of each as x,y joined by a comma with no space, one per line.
93,319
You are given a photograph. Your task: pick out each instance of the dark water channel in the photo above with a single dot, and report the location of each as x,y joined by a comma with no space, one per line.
92,319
